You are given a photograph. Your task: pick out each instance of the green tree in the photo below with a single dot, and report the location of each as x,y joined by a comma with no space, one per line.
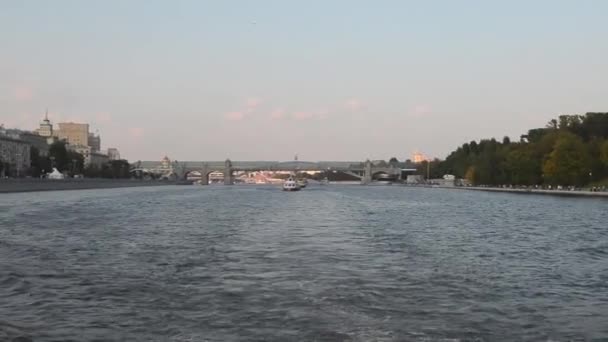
523,166
569,162
120,169
59,154
566,151
38,164
470,175
75,162
604,153
92,171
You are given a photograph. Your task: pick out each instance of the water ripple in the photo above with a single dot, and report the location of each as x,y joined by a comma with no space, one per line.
341,263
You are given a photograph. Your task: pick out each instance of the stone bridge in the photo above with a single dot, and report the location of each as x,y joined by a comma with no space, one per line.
180,170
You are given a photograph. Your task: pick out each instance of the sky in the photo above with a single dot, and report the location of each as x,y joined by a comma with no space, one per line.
324,79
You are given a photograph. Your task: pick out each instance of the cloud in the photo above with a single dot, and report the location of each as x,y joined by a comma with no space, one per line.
23,93
136,132
234,116
303,115
354,105
20,121
421,111
103,118
253,103
277,114
320,114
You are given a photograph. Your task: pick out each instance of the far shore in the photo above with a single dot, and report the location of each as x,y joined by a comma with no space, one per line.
573,193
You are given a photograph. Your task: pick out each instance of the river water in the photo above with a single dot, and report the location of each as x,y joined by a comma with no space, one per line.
334,263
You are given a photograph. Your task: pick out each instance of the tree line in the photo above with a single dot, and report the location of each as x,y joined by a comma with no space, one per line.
72,163
572,150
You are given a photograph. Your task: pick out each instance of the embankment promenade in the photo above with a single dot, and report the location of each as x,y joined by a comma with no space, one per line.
573,193
35,185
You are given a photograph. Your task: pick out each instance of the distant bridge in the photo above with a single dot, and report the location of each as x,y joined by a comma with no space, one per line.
180,170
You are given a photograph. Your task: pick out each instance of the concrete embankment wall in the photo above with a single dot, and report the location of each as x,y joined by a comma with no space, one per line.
33,185
537,191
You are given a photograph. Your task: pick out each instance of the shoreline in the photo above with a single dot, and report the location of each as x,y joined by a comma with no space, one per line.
566,193
43,185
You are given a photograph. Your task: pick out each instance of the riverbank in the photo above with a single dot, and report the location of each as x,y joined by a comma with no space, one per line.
575,193
35,185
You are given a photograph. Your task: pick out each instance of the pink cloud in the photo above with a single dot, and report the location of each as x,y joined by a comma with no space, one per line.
322,113
303,115
354,105
103,118
22,93
277,114
253,103
136,132
234,116
20,121
421,111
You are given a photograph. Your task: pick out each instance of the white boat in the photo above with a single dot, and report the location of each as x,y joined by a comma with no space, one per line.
302,183
291,185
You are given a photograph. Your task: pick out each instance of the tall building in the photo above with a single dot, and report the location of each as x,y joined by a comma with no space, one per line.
113,153
74,133
14,156
95,142
46,128
91,158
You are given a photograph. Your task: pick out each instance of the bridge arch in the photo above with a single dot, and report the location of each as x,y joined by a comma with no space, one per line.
384,175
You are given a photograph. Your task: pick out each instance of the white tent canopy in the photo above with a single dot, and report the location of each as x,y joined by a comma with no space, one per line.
55,174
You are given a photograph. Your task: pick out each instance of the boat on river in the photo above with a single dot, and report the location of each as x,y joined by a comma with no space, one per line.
291,184
302,183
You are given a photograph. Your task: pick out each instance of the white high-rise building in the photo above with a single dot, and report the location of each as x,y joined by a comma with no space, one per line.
46,128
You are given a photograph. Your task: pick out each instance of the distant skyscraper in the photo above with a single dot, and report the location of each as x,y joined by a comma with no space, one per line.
46,128
74,133
95,142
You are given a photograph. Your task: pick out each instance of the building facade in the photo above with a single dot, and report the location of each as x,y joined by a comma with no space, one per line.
97,159
41,143
113,153
14,157
46,127
84,151
75,134
91,158
95,142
